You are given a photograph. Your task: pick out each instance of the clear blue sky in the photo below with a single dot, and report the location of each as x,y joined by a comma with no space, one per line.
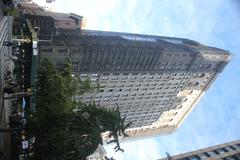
216,119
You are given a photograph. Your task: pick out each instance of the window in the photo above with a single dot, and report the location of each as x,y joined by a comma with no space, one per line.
179,107
212,153
106,99
236,146
184,99
93,79
94,75
127,89
200,75
124,95
229,148
107,96
47,50
115,99
193,158
135,89
203,155
221,150
196,84
104,78
114,78
64,50
189,92
207,65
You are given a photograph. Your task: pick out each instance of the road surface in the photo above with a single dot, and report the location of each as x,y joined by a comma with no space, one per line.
5,65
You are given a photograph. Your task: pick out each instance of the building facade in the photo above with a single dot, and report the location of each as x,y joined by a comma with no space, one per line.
155,80
226,151
47,22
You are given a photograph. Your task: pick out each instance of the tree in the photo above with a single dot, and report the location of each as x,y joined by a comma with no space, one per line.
60,132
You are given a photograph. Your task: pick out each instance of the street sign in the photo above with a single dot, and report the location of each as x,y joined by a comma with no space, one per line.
24,144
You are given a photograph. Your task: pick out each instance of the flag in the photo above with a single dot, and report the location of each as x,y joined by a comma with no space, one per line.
23,104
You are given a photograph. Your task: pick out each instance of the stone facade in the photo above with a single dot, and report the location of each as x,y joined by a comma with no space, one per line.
154,80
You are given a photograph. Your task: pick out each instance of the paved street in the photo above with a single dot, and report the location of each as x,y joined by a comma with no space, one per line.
5,65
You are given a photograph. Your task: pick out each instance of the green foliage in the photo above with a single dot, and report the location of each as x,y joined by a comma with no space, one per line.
10,11
61,133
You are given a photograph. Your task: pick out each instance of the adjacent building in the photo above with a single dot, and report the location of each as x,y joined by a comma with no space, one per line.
226,151
99,154
156,81
47,22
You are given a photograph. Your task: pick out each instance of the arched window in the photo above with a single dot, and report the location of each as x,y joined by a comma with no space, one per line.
184,99
170,119
179,107
191,84
189,92
196,84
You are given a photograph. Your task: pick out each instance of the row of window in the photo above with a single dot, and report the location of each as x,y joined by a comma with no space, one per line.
50,50
147,75
139,89
161,101
147,78
214,153
44,23
131,75
165,76
145,117
167,84
172,80
234,157
137,94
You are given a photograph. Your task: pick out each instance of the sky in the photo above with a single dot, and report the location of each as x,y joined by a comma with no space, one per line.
215,119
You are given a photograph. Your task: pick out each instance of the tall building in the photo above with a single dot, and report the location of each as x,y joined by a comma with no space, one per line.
156,81
226,151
